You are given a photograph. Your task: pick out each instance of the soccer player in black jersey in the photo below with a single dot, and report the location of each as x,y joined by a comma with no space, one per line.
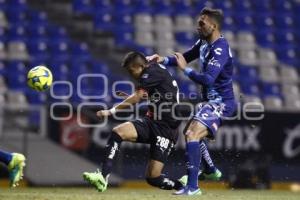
158,128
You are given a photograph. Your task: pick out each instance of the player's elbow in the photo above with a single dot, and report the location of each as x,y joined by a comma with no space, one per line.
208,80
136,98
205,80
140,94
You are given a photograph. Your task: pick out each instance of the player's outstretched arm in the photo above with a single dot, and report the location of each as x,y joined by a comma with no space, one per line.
206,78
167,61
189,55
136,97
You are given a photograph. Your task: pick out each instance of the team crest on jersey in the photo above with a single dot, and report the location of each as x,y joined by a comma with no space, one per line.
145,76
218,51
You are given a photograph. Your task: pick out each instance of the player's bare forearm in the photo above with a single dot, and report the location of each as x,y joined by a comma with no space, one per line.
130,100
181,62
155,58
120,93
134,98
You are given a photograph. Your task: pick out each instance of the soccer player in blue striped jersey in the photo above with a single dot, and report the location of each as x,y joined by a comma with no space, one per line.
216,62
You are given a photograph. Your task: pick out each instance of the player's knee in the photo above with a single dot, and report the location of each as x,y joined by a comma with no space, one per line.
203,133
202,128
192,135
116,137
120,131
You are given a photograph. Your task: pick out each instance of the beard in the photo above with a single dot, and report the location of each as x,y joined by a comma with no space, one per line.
204,35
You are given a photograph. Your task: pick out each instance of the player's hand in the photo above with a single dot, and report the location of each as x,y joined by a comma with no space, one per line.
103,113
181,62
155,58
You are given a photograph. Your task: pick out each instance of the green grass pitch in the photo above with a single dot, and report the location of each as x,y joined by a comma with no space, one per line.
138,194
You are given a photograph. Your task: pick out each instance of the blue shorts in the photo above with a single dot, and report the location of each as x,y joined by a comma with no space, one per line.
210,115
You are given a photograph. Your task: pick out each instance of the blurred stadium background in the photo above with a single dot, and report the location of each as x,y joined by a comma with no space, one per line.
74,37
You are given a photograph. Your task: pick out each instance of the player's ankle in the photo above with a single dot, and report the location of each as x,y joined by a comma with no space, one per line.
210,170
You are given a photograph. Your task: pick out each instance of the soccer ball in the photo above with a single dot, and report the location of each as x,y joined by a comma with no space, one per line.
39,78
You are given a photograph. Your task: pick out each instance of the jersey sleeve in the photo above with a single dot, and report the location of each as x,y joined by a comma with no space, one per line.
190,55
150,78
193,53
215,65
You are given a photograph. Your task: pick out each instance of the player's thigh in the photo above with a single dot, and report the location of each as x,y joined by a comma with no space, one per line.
196,131
154,168
126,131
163,140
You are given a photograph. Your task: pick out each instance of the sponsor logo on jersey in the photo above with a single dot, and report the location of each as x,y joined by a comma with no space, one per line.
214,62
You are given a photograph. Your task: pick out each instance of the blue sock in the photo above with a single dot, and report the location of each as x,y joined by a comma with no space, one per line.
209,166
193,162
5,157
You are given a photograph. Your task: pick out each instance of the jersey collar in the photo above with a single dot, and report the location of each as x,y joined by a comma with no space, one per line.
221,37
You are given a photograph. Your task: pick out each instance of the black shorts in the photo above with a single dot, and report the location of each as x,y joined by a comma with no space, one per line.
159,135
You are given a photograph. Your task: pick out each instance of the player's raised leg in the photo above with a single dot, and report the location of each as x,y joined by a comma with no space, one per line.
123,132
15,163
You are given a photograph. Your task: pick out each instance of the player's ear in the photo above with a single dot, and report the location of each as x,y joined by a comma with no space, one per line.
214,26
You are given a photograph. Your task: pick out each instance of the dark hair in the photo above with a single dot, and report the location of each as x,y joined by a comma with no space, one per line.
132,57
215,14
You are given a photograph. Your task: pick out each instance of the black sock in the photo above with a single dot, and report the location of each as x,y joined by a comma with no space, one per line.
164,183
111,151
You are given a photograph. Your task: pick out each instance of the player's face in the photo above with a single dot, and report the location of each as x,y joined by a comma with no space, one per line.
205,27
135,70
